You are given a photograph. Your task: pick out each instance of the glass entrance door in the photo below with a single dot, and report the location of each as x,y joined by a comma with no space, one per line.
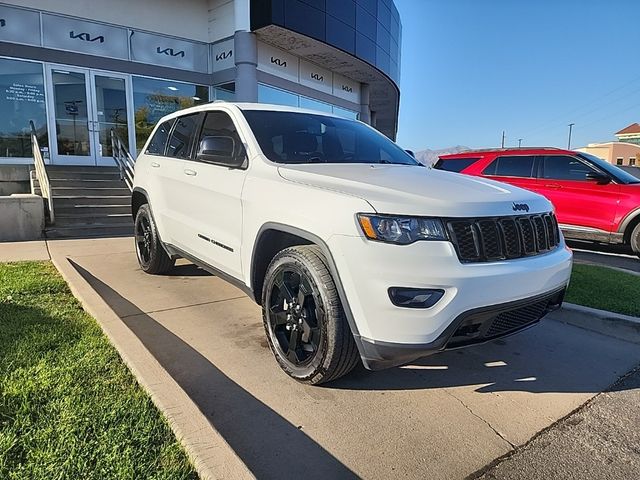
111,112
84,106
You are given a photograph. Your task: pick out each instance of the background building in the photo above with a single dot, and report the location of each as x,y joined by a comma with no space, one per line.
617,153
630,134
79,69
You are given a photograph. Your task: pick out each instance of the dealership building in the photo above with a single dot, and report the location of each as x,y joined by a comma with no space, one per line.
79,69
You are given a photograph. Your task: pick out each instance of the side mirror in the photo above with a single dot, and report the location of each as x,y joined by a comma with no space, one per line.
410,152
221,150
599,178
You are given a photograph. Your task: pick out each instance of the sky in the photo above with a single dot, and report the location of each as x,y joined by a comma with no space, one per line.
473,68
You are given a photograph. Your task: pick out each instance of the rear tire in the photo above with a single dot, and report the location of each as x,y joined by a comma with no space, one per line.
635,240
152,257
303,317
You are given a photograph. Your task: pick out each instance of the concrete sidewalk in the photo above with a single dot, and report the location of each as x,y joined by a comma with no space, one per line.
197,345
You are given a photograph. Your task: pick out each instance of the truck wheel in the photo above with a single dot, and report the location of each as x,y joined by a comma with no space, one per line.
152,256
303,317
635,240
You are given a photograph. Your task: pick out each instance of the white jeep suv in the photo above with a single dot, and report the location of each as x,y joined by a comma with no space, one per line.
353,249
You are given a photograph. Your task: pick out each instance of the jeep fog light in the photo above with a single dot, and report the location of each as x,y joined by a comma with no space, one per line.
415,297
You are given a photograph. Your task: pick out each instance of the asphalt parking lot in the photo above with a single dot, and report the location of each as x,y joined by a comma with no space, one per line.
446,416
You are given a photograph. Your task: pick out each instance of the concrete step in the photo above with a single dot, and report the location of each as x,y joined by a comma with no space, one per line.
93,210
70,219
92,175
87,183
80,168
70,200
90,191
115,230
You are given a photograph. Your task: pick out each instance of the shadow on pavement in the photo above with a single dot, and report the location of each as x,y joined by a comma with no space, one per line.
188,270
267,443
539,360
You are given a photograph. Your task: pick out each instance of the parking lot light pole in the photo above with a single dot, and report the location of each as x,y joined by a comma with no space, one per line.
570,129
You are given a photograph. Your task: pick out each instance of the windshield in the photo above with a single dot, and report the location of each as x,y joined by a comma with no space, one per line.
295,137
620,175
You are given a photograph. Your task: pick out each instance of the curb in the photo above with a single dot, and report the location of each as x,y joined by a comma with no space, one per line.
211,456
623,327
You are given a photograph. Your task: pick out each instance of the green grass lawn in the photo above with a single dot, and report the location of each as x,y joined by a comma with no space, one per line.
605,288
69,407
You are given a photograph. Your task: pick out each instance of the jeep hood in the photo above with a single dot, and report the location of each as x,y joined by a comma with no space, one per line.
413,190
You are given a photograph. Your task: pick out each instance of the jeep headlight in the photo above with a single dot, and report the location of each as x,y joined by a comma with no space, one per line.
401,230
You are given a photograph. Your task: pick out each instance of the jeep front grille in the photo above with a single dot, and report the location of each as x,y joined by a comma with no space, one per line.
503,238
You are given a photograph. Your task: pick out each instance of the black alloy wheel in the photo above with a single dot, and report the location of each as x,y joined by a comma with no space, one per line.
152,257
303,317
294,315
144,237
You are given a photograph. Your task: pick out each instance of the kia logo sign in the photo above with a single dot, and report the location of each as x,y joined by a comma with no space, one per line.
86,37
520,207
317,77
223,55
279,62
3,22
347,88
170,52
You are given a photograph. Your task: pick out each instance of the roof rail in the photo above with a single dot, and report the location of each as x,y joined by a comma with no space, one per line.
508,149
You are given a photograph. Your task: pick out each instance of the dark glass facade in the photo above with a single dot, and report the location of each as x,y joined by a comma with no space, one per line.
367,29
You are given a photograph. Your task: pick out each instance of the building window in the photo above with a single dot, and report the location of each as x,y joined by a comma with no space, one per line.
632,161
226,92
277,96
21,100
153,99
619,161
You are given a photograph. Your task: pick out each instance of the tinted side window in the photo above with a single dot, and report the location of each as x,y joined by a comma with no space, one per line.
512,166
159,140
181,139
562,167
219,124
455,164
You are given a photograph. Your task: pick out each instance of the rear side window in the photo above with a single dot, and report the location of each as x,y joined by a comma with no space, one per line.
182,136
455,164
159,140
564,167
512,166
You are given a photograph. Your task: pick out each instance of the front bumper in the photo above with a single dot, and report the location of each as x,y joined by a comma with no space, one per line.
390,335
473,327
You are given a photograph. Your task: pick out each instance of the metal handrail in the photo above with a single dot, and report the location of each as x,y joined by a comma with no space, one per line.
41,172
124,160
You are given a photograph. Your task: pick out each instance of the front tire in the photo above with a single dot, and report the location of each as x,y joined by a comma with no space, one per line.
303,317
635,240
152,257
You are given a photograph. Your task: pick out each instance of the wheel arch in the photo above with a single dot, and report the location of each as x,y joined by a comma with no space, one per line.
266,247
139,197
629,223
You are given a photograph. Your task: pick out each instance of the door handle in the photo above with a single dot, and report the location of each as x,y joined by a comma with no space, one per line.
191,173
155,164
554,186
